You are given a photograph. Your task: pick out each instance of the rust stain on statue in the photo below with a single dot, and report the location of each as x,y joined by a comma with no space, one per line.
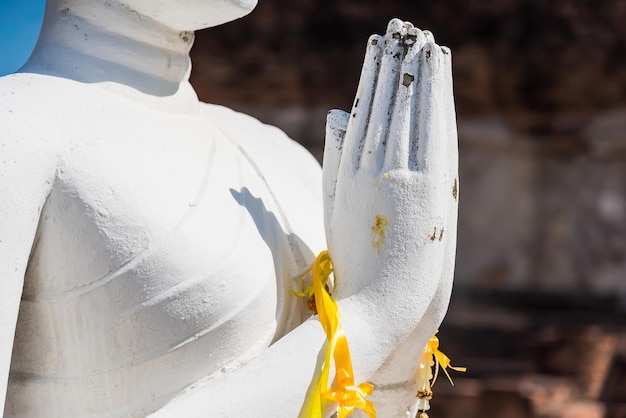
407,79
433,237
455,189
378,229
187,37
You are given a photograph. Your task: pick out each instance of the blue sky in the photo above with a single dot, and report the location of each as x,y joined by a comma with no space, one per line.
20,21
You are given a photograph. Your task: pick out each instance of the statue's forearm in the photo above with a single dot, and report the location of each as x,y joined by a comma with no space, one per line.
275,383
272,385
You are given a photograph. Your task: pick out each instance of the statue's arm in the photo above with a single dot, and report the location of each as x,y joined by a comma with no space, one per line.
390,190
26,171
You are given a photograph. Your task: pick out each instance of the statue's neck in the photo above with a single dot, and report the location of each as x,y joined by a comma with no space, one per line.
97,41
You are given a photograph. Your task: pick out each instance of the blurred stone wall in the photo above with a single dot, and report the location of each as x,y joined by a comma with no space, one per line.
540,89
539,309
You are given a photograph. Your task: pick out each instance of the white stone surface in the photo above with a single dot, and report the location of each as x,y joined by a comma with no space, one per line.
149,241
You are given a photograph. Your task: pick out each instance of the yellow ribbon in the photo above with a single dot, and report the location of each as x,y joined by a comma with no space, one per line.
441,360
343,391
432,357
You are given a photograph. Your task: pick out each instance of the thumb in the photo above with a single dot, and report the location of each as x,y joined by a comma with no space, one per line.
336,124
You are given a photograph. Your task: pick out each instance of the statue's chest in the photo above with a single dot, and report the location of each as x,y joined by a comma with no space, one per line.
161,257
167,265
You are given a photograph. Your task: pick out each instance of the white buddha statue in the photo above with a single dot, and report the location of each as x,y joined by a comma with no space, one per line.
150,243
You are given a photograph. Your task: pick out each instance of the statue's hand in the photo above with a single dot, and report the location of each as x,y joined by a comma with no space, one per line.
390,179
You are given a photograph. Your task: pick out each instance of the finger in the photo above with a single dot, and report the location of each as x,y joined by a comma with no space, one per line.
402,132
433,123
451,141
429,36
355,134
383,104
450,113
336,124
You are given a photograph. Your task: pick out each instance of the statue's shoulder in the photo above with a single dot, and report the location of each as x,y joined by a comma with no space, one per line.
45,110
264,143
29,151
30,105
30,86
29,102
34,109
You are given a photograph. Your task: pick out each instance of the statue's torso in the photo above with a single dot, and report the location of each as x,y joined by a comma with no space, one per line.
164,253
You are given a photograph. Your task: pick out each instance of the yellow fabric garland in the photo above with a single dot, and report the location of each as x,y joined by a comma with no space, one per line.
427,372
343,390
441,360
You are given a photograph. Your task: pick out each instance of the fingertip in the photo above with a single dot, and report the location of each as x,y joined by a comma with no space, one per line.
414,41
394,26
429,36
375,42
337,119
446,59
411,36
432,55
